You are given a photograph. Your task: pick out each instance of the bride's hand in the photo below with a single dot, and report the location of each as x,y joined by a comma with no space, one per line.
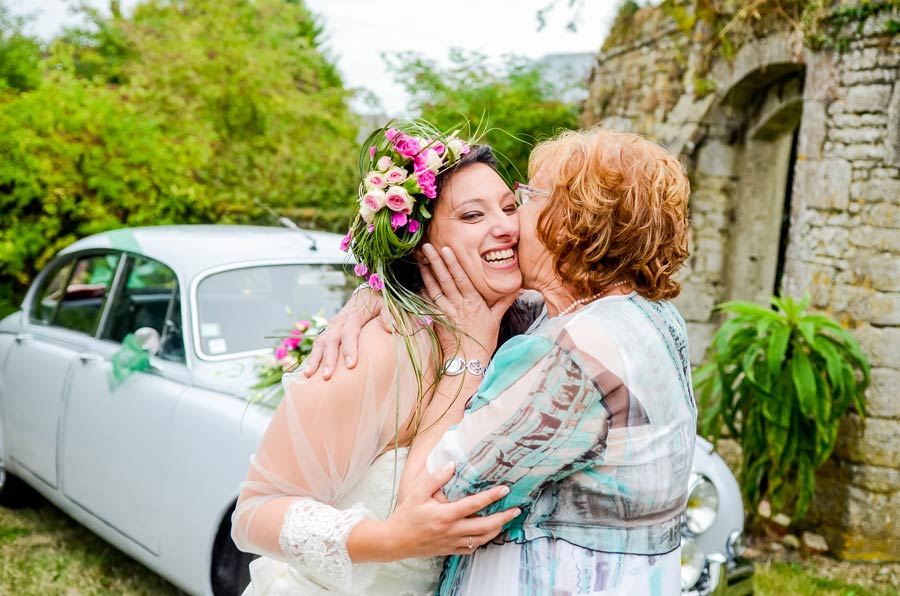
342,333
426,525
448,286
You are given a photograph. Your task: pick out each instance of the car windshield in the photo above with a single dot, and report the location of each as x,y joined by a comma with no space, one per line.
245,309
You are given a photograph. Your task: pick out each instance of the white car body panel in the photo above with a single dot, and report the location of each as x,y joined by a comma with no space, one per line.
153,467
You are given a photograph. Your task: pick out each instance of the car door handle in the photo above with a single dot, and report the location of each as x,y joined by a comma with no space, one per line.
23,337
86,358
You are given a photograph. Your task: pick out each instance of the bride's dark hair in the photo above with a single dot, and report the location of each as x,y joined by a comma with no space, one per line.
406,270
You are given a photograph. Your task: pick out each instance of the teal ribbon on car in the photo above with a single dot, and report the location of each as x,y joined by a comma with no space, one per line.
132,357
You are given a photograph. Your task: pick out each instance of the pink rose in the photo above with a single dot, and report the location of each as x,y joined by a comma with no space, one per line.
392,133
385,163
399,200
281,353
374,199
375,282
395,175
407,147
375,180
420,162
372,152
291,343
397,220
438,147
361,270
413,226
370,228
426,182
303,325
345,243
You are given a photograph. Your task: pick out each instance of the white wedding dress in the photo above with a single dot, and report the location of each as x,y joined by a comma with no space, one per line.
371,497
326,462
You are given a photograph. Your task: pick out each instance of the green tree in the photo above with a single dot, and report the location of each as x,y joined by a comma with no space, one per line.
187,111
517,101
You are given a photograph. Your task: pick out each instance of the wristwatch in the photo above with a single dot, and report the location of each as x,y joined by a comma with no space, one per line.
456,366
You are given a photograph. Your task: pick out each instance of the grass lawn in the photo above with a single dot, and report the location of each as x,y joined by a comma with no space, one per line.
45,553
780,578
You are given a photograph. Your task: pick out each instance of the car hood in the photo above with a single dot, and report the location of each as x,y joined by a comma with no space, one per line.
233,377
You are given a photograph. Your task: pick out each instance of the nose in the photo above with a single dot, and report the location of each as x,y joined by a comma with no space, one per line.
506,225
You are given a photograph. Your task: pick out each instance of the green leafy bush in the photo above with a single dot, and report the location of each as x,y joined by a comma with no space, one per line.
185,112
779,381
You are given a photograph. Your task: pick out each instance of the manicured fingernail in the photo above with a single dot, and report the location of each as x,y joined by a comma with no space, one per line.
446,250
325,371
348,362
449,465
517,511
504,490
428,248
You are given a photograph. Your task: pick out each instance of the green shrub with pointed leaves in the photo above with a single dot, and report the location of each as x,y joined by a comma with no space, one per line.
780,381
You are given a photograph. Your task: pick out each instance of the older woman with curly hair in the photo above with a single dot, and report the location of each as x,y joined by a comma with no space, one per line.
589,417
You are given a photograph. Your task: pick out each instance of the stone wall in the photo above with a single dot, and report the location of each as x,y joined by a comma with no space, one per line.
826,126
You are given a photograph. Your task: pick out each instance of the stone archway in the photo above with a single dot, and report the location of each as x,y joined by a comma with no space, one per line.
765,155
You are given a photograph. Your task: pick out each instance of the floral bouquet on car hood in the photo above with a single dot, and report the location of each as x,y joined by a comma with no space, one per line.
287,354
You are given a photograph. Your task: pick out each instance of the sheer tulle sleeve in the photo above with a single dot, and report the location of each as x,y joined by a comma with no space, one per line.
321,440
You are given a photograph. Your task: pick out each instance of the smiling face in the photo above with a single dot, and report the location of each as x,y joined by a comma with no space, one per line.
476,216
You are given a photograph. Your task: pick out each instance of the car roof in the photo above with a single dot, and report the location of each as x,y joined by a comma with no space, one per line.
192,249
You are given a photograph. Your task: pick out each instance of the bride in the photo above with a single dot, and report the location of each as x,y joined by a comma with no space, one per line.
324,481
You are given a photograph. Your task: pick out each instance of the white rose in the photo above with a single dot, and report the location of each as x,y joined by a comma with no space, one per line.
367,214
395,175
375,180
433,161
385,163
399,200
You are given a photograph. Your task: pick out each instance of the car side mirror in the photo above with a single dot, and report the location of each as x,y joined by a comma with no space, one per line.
149,339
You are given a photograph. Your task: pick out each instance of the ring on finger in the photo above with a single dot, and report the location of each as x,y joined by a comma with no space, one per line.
471,544
438,297
322,332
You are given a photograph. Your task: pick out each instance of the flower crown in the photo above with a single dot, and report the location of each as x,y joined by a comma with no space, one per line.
398,168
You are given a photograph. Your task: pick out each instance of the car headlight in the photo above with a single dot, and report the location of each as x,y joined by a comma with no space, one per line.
692,562
702,505
735,546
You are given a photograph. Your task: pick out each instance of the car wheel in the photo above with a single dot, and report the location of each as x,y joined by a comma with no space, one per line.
13,492
230,572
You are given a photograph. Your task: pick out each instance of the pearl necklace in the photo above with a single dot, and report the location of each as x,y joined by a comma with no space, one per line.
582,301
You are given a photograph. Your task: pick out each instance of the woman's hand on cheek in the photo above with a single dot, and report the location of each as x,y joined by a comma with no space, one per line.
426,525
448,286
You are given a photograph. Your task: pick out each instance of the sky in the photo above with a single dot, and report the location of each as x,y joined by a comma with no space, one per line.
358,32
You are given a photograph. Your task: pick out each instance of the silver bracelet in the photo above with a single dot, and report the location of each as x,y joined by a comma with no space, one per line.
363,286
456,366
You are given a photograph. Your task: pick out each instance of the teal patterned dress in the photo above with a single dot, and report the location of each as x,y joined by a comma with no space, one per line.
589,419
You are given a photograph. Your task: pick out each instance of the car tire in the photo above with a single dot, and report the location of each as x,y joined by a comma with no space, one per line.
14,494
230,572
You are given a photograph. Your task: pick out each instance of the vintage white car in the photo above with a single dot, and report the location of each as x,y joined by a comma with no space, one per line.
151,461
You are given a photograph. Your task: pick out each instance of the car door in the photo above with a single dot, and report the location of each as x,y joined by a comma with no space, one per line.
116,434
62,315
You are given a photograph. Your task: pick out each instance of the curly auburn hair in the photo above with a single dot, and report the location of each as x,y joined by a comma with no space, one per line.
617,211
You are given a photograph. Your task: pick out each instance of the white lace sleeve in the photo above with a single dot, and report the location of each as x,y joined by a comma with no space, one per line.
314,540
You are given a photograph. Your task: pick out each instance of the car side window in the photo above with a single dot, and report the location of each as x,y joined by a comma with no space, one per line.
148,298
47,298
86,292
